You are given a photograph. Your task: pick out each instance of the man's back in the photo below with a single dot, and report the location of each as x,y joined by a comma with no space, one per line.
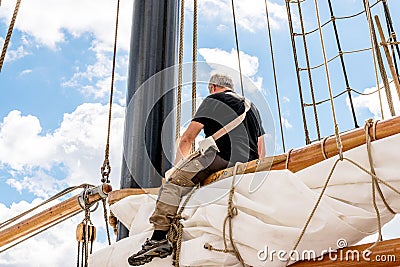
217,110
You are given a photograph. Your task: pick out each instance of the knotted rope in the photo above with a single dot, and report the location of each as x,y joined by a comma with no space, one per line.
232,212
375,181
176,230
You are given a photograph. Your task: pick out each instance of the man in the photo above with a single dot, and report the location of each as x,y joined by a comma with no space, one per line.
244,143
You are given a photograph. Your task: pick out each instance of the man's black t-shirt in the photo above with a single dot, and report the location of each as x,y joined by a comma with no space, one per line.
217,110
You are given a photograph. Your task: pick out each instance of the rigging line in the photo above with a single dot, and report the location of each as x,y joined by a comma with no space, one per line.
377,54
194,56
375,64
338,139
180,61
54,197
237,46
392,35
296,62
106,168
388,57
194,64
44,229
274,73
338,18
341,93
309,71
336,56
9,33
346,79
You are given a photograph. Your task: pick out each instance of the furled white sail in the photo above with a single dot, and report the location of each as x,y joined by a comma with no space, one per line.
273,208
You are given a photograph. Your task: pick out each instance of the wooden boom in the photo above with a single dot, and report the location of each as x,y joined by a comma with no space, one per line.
307,156
46,217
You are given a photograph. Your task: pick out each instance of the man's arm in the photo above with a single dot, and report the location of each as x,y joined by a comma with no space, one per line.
187,139
261,147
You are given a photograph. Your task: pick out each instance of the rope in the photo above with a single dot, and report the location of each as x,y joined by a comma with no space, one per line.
343,65
180,62
42,230
274,73
392,35
9,33
339,18
341,93
377,54
106,168
306,134
194,64
308,70
338,140
375,185
237,46
232,212
336,56
106,220
374,182
56,196
176,229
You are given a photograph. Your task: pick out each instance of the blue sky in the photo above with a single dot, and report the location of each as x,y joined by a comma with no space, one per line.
55,86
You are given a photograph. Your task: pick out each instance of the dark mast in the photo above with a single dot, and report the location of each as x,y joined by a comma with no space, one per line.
152,49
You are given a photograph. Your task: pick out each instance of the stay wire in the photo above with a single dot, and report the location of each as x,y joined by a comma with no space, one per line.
336,126
237,46
9,33
392,36
106,168
346,79
296,62
275,77
180,66
308,70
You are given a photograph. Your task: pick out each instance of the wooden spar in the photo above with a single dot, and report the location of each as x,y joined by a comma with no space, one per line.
309,155
299,159
385,253
46,217
388,56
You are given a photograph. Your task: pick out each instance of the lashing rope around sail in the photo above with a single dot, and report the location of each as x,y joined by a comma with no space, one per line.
375,184
231,213
328,80
176,229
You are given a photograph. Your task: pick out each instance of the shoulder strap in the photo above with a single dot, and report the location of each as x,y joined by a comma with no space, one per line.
234,123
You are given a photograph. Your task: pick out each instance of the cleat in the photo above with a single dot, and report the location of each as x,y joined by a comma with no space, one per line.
150,249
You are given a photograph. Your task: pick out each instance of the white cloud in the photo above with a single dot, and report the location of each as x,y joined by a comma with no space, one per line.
49,21
250,14
371,102
249,64
77,145
286,123
95,80
54,247
224,61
